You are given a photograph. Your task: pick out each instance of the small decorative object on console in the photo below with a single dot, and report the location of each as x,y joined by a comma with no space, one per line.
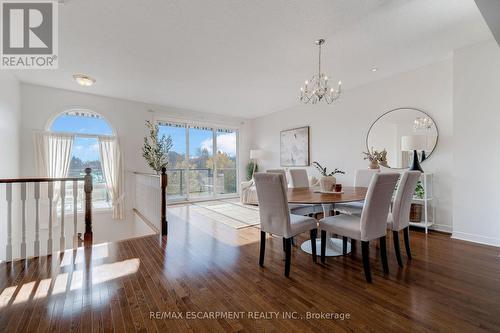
376,158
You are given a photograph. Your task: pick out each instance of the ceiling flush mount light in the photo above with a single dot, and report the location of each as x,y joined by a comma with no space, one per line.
84,80
374,69
317,89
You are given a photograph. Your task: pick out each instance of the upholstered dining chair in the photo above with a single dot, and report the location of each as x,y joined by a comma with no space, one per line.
299,178
281,172
298,209
371,225
362,178
399,218
275,217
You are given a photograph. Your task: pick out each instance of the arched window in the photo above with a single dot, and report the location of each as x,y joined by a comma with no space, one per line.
87,127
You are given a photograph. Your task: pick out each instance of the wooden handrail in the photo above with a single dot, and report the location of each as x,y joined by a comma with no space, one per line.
38,180
88,187
147,174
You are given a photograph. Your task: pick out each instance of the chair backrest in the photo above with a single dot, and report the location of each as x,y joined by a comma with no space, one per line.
279,171
402,201
363,177
299,178
377,204
273,203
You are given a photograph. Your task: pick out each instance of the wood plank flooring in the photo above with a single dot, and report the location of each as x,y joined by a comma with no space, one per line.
205,269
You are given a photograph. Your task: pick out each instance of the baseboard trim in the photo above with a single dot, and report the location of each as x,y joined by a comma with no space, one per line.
476,238
441,228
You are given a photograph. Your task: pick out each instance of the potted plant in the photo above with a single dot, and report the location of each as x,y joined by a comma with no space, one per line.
251,168
327,180
155,148
416,209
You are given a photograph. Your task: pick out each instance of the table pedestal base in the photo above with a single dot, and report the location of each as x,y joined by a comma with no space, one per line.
333,247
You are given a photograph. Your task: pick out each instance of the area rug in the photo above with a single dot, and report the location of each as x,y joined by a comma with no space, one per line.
229,213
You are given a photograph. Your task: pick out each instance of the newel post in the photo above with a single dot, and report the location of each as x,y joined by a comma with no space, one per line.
88,187
164,183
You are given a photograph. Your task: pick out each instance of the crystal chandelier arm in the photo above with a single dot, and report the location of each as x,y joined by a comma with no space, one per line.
319,61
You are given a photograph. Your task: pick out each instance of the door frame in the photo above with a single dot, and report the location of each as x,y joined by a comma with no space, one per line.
214,126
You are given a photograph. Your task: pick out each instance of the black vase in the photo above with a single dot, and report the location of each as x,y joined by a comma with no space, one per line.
416,164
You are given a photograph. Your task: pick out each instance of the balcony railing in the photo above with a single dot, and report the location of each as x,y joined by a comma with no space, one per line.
201,182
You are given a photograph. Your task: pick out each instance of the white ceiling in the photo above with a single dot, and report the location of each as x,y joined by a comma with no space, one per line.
248,58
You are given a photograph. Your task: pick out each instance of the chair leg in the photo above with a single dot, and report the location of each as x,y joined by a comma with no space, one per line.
323,246
313,233
383,254
365,253
353,246
284,245
262,248
344,245
288,255
397,250
406,233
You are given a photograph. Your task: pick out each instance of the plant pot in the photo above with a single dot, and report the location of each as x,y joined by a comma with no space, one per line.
374,164
416,213
327,183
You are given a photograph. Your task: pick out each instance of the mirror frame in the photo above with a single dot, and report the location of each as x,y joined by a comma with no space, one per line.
405,108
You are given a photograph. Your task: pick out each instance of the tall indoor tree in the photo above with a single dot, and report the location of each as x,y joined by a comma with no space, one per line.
155,149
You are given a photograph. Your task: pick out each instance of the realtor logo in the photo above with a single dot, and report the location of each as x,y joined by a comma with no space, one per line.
29,34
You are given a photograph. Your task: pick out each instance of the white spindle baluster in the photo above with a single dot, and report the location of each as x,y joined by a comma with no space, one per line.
75,213
36,250
8,196
50,186
63,197
23,220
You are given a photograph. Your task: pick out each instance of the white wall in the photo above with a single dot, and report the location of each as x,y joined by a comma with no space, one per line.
476,165
338,131
10,122
127,117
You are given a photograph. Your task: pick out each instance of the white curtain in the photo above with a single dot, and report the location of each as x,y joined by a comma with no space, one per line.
53,154
112,168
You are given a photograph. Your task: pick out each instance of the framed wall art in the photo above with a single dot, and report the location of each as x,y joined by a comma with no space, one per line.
294,147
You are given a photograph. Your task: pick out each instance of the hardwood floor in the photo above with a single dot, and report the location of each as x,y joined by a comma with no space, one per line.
206,268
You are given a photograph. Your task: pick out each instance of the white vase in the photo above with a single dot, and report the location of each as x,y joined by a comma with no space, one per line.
374,165
327,183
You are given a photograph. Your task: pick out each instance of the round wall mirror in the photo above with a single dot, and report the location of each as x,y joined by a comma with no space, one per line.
399,133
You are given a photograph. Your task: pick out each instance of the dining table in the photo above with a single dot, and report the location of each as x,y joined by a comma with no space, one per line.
314,196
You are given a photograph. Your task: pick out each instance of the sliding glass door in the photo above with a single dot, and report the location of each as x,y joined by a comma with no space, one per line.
202,161
177,160
201,173
225,162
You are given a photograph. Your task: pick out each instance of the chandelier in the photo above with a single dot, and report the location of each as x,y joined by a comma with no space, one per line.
422,123
317,89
